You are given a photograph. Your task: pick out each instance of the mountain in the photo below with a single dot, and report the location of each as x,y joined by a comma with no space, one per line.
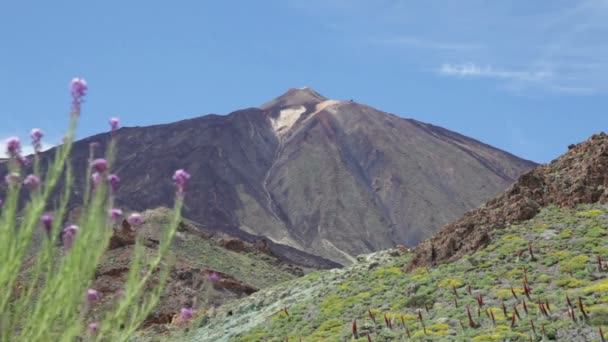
530,265
331,178
579,176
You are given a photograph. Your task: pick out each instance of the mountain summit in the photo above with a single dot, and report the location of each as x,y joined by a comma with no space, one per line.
295,97
326,177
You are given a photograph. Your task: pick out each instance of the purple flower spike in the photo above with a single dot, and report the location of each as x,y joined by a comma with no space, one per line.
186,314
12,178
1,203
115,214
78,89
95,178
94,328
114,181
36,135
181,177
32,182
93,295
214,276
47,222
114,123
13,147
135,219
100,165
68,236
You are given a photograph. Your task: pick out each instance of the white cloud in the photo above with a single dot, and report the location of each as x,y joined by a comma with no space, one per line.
474,70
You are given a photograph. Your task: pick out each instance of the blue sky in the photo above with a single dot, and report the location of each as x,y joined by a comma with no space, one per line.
529,77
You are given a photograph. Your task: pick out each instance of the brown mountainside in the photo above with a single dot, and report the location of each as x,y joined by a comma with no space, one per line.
579,176
330,178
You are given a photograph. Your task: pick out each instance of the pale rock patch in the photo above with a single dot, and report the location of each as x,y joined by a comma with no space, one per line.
286,119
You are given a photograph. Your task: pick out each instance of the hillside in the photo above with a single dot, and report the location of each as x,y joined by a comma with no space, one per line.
566,245
241,268
577,177
330,178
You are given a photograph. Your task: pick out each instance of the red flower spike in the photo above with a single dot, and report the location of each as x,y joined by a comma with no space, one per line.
513,320
516,312
533,327
472,323
513,292
525,307
582,307
371,316
355,334
602,335
369,338
479,300
531,252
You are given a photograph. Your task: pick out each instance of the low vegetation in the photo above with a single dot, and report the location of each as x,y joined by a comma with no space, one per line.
541,280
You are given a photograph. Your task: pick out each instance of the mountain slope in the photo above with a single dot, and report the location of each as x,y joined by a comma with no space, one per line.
330,178
322,306
579,176
352,179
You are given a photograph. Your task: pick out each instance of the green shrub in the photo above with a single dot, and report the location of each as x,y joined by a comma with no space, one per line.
54,297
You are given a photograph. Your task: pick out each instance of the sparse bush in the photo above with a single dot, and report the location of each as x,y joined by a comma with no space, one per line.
49,298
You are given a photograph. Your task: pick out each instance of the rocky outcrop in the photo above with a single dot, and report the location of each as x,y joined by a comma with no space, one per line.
579,176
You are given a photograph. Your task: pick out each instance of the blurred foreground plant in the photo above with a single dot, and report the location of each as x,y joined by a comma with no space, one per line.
54,294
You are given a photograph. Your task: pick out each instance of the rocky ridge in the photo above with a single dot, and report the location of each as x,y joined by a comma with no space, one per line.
579,176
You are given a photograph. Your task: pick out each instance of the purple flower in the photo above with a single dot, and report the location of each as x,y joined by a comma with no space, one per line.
100,165
36,135
13,147
115,214
114,123
47,222
135,219
94,328
12,178
93,295
24,161
186,314
68,236
78,89
114,181
32,182
181,177
214,276
1,203
95,178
